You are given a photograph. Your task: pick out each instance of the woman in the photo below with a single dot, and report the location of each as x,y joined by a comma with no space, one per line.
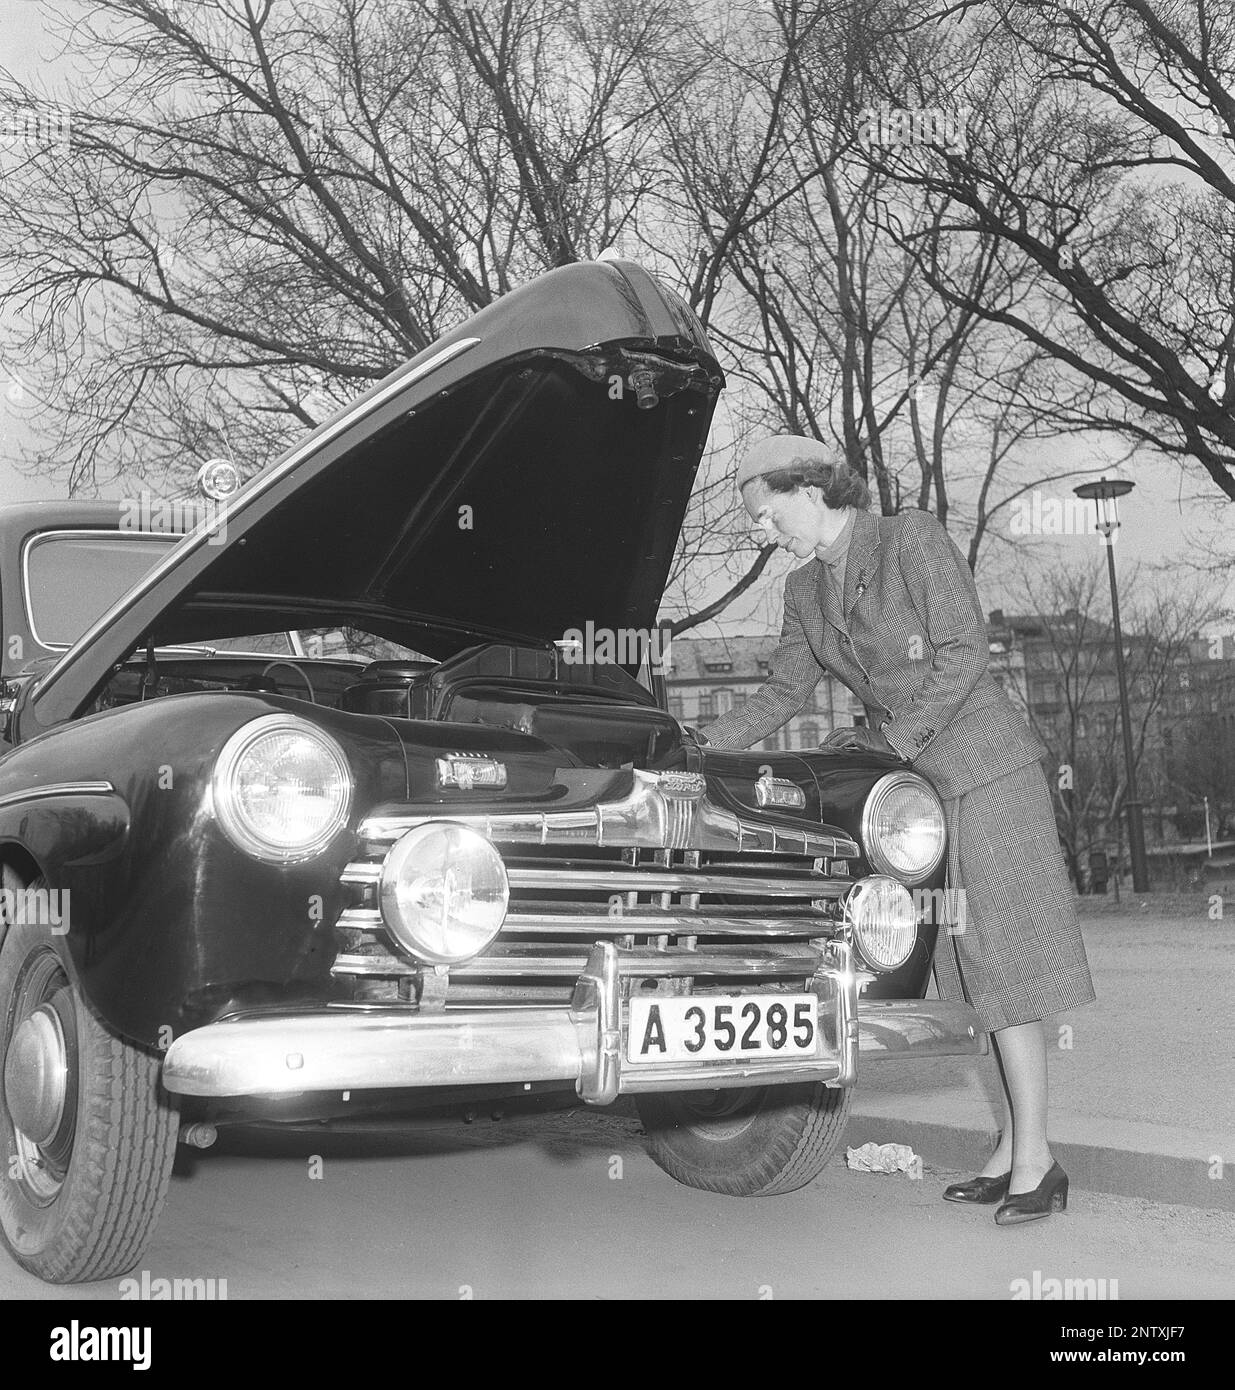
889,607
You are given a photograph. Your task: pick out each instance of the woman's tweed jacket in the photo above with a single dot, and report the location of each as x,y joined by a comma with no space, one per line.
911,644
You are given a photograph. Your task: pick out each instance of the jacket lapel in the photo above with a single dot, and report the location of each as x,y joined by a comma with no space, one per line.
810,604
828,599
863,558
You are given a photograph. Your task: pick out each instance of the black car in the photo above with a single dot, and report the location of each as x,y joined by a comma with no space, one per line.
363,799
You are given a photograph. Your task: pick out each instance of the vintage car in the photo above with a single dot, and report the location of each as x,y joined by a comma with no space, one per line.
362,800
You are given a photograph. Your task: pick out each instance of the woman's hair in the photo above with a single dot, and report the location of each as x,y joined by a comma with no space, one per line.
841,487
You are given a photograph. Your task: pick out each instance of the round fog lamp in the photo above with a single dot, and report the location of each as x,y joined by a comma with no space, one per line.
881,913
444,892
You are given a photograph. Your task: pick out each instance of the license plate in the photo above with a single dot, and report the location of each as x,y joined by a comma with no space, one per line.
711,1028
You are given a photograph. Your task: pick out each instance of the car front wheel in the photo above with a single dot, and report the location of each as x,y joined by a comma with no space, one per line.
753,1142
86,1135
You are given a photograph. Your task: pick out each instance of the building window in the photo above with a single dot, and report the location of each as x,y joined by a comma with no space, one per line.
707,705
676,707
724,700
810,734
740,697
718,665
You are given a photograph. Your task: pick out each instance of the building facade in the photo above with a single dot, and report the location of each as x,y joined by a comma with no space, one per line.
1060,670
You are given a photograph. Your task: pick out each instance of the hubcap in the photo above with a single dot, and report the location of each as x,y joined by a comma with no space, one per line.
40,1047
36,1075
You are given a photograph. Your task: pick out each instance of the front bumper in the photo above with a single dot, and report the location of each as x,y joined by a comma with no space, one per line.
350,1049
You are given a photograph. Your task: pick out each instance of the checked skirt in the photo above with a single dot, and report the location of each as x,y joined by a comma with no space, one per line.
1014,950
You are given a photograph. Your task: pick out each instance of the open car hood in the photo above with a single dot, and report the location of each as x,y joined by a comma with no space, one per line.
524,475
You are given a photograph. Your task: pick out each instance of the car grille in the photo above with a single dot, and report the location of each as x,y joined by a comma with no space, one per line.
709,920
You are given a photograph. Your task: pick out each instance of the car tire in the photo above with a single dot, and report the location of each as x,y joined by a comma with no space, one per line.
753,1142
80,1202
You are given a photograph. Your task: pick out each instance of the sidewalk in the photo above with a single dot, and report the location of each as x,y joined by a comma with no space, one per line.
1142,1081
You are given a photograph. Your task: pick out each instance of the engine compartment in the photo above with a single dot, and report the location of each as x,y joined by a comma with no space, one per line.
599,712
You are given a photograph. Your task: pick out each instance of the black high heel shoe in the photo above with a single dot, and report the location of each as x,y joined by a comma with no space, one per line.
1051,1194
978,1190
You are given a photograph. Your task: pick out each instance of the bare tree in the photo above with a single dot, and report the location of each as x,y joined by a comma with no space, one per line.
1202,769
1099,153
1067,687
827,326
267,204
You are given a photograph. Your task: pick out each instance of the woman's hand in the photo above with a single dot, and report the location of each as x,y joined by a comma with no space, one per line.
860,740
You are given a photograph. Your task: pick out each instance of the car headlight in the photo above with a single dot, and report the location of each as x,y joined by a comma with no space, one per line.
443,892
881,914
282,789
903,828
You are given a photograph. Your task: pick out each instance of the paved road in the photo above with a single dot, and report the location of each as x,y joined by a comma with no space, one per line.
1142,1081
568,1206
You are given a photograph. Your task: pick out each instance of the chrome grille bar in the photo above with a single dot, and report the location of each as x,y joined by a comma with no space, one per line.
742,837
655,812
619,879
529,962
661,881
642,921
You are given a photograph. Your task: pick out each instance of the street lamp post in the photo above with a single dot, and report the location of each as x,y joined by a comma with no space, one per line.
1104,494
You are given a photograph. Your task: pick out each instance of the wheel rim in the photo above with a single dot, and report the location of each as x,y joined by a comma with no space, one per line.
721,1114
40,1076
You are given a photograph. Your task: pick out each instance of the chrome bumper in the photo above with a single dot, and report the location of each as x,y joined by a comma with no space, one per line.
356,1050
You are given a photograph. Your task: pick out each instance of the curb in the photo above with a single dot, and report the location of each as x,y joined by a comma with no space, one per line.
1156,1177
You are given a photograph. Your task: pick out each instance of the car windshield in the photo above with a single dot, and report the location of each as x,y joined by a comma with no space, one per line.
73,578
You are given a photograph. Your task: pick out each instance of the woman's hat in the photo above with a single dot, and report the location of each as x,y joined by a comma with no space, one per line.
779,451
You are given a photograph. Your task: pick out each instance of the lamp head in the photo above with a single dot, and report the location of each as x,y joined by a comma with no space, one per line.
1105,494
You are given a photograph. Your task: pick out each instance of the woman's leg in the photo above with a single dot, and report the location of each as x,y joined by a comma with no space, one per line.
1021,1054
1000,1162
